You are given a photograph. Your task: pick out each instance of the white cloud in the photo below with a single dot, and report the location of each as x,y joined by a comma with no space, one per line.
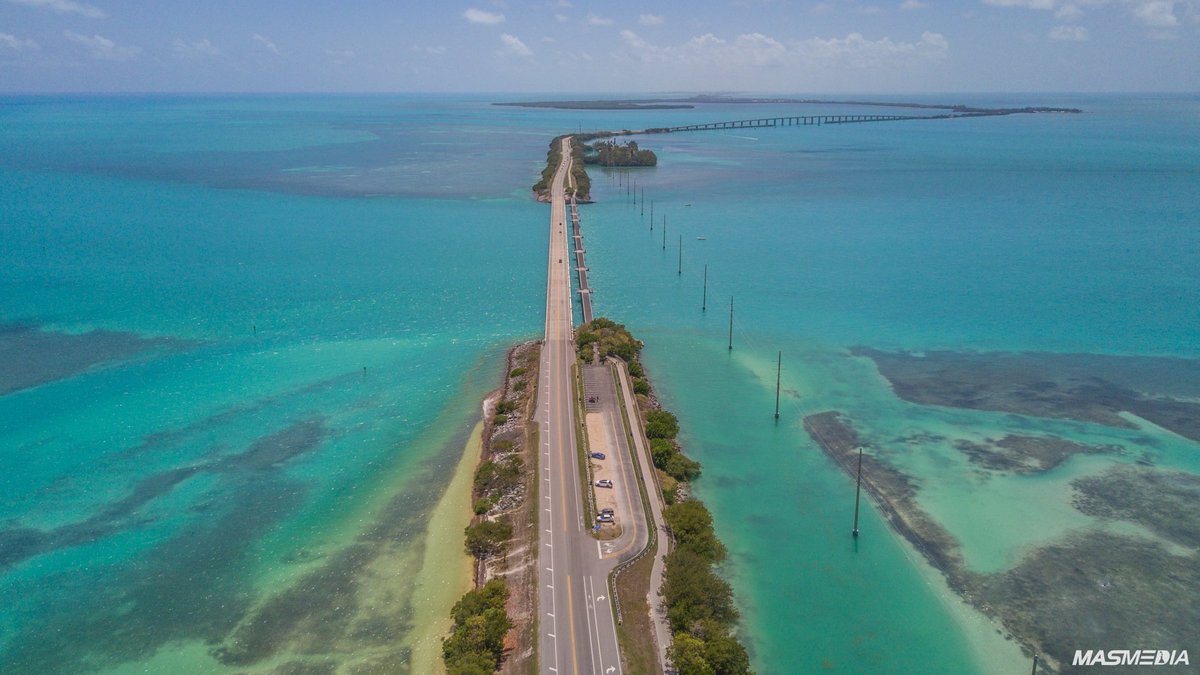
561,18
266,43
594,20
15,43
512,45
64,7
194,50
430,51
913,4
1030,4
340,56
1157,13
651,20
1069,33
480,16
101,48
756,50
1069,12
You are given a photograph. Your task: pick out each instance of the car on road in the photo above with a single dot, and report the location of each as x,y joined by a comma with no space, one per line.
597,455
604,518
604,482
606,512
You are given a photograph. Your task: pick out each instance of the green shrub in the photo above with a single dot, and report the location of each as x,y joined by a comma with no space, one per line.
692,525
502,445
499,420
517,372
635,369
476,641
641,386
661,424
487,538
495,477
681,467
484,505
694,593
505,407
661,450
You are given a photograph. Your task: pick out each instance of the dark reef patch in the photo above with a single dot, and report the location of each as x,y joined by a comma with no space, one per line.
30,356
18,544
1164,502
1027,454
192,586
1097,590
893,491
1084,387
1092,590
270,452
326,611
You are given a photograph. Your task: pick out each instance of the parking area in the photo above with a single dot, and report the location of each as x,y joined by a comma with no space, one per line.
599,440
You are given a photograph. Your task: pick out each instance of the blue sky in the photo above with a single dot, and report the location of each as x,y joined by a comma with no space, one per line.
825,46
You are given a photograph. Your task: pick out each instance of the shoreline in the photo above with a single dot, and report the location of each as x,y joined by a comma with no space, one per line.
443,543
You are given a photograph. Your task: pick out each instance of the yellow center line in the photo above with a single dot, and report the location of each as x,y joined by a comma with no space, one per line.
571,613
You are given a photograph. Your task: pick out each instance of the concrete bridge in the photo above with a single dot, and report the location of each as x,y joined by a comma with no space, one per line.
799,120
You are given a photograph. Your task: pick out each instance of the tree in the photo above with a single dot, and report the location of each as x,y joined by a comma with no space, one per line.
687,655
661,424
487,538
726,655
661,450
692,525
470,663
681,467
694,593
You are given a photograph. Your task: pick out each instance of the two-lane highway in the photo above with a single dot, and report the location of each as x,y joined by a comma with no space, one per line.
577,631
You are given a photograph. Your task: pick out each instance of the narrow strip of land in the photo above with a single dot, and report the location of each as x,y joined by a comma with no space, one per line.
578,629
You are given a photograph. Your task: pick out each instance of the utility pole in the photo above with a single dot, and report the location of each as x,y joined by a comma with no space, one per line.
778,380
731,323
857,490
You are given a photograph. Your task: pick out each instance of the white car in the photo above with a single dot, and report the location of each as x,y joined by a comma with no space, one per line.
604,482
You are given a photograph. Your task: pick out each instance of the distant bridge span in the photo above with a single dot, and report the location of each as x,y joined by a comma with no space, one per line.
800,120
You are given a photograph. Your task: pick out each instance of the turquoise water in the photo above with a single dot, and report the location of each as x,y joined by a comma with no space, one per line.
1055,233
327,351
229,477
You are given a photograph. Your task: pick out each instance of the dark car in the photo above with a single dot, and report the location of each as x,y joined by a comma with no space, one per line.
606,512
597,455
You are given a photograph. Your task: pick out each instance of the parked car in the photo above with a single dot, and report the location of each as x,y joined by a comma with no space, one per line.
597,455
606,512
604,482
604,518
